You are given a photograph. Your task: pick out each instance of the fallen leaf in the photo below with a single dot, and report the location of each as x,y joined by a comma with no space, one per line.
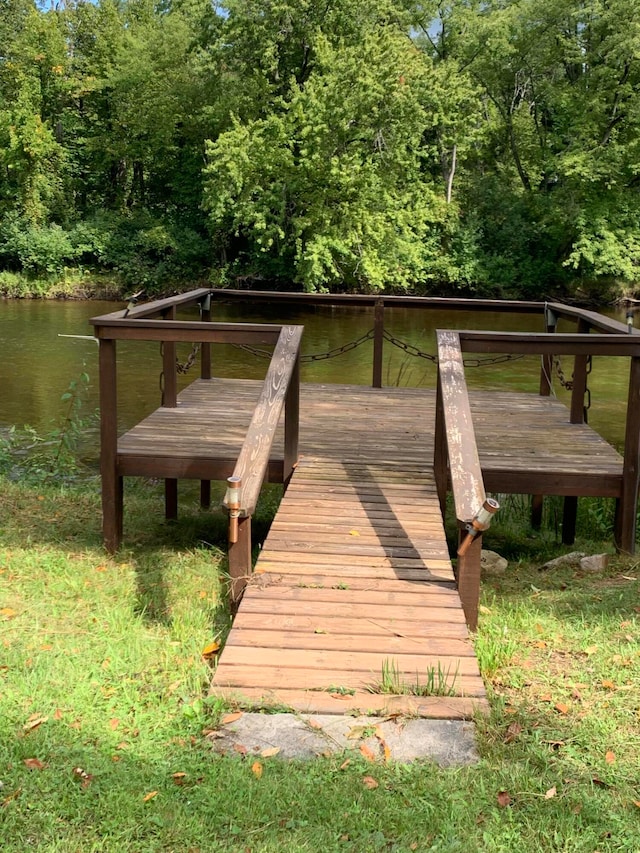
256,769
240,748
314,724
46,647
179,777
608,684
122,745
367,753
269,753
33,764
591,650
57,714
212,734
211,649
343,696
561,708
230,718
636,803
550,794
345,764
33,723
114,723
13,796
202,594
610,757
319,631
503,799
540,644
512,732
370,783
600,783
354,533
8,612
149,796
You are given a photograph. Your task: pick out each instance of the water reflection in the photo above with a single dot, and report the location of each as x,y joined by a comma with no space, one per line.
36,365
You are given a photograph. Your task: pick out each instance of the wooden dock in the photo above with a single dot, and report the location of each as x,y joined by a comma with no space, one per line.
354,603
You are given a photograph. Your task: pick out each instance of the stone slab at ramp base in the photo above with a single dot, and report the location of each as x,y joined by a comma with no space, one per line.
303,736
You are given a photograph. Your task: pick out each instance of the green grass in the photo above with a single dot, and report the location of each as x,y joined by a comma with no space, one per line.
434,681
106,652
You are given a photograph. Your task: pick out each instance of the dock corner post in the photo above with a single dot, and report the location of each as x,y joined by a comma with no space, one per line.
170,401
468,577
205,346
627,507
291,423
240,561
378,343
111,480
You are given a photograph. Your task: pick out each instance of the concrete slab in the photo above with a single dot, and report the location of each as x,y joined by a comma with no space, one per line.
301,736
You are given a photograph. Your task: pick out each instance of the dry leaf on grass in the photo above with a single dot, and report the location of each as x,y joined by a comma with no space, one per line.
345,764
503,799
210,650
256,769
608,684
512,732
8,612
367,753
11,797
33,722
230,718
561,708
269,753
370,783
240,748
149,796
550,794
610,757
33,764
179,777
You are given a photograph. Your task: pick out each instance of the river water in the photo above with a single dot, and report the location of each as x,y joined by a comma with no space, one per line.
37,364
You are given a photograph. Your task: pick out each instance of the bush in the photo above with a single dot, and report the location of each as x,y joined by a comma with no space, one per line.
37,250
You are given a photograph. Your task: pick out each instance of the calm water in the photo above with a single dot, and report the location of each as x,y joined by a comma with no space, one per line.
36,364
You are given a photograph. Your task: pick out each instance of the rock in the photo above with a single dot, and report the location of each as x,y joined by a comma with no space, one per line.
594,563
572,559
492,563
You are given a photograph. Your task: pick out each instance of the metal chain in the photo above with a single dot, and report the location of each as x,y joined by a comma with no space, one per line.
410,349
185,366
566,383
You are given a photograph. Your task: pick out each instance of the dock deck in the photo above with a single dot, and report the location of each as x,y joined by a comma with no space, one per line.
354,579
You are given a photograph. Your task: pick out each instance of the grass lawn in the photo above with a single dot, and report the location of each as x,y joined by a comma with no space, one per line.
103,715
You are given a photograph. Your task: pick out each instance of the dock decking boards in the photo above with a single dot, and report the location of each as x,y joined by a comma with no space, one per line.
355,573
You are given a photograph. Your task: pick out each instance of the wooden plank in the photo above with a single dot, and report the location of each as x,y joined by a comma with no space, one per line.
464,464
254,456
404,613
323,702
330,625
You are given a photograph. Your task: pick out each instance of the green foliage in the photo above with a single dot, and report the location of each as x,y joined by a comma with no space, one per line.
478,147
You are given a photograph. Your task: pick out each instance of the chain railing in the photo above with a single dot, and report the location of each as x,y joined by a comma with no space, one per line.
406,347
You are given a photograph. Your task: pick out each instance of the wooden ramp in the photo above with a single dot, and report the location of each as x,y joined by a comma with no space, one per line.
354,581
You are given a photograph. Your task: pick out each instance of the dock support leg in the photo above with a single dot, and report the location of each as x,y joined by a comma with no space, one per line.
537,504
171,500
112,511
205,494
569,517
468,576
240,562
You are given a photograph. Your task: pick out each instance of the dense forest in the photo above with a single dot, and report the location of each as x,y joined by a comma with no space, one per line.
460,146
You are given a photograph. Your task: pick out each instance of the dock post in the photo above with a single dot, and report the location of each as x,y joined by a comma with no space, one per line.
627,505
546,371
205,373
468,577
440,455
240,561
111,481
378,343
170,401
578,415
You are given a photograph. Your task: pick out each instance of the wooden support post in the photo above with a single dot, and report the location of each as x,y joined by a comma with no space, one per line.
205,494
292,423
569,519
546,374
240,561
205,373
440,455
468,576
170,401
577,416
171,499
205,348
378,343
627,508
111,481
537,505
